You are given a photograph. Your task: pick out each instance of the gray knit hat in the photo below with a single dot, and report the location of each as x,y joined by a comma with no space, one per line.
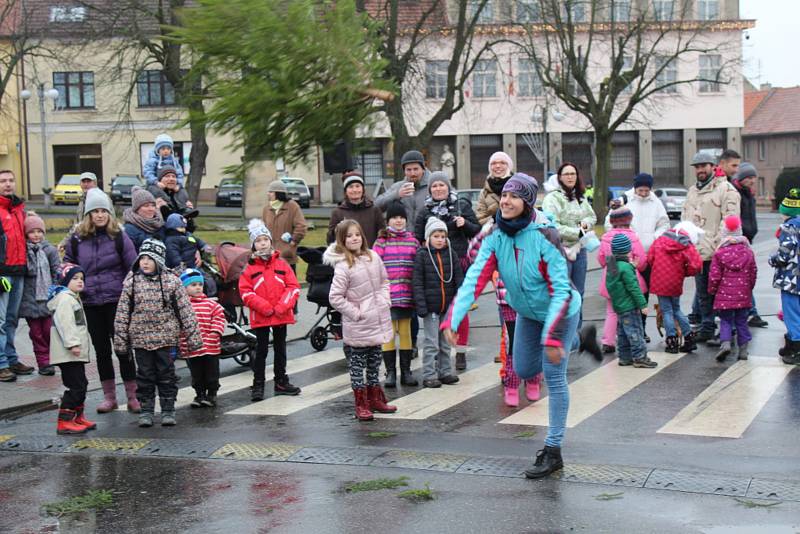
434,225
439,176
141,196
97,199
746,170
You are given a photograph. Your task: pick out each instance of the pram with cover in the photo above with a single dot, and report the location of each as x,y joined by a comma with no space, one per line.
319,277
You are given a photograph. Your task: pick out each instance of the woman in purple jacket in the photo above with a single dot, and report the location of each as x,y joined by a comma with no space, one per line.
105,253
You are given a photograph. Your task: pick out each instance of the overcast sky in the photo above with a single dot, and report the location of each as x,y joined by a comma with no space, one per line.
770,54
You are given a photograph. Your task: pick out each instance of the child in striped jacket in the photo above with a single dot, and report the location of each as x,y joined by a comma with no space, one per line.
397,247
204,362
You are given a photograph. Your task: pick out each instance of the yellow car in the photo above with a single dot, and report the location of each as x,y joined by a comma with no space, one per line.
68,190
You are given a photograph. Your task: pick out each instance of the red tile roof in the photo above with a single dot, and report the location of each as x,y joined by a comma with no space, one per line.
752,100
779,112
410,12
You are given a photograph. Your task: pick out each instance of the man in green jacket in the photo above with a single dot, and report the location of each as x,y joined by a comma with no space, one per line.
628,302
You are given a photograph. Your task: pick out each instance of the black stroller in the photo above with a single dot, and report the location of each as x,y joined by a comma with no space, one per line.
319,277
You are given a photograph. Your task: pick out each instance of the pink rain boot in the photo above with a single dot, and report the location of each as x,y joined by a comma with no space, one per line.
511,397
532,390
110,393
133,402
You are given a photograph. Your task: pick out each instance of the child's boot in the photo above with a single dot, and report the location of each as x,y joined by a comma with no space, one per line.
377,400
257,391
533,388
689,343
461,361
672,345
724,351
67,423
390,361
146,415
109,403
209,398
133,402
363,413
742,355
199,395
81,420
406,378
792,353
168,418
784,350
511,396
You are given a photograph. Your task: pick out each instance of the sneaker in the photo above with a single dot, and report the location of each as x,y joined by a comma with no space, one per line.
714,341
609,349
197,402
209,401
432,383
20,368
644,363
168,419
145,420
47,370
757,322
448,380
647,338
624,363
7,376
284,387
724,351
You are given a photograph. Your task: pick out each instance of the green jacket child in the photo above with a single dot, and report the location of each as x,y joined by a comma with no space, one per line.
621,282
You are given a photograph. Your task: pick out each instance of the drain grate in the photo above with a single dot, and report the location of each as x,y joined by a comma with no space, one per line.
420,460
179,449
772,489
112,445
271,452
611,475
697,483
36,444
335,455
496,467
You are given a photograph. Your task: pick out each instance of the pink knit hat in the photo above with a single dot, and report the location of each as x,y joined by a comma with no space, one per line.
33,222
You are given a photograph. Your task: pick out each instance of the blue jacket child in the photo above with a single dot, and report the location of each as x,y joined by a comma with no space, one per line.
181,245
162,154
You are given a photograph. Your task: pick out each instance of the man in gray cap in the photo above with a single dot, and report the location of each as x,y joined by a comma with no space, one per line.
708,202
745,181
88,181
412,191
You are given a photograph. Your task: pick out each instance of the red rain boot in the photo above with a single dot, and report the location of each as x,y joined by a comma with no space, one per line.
67,423
363,412
377,400
81,420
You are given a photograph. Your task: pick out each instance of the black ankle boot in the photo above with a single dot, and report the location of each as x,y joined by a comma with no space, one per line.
588,337
257,391
406,378
784,350
672,345
548,460
390,361
689,343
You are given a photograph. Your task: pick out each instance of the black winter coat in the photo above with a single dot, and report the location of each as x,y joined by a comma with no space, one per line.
431,293
747,212
459,237
181,248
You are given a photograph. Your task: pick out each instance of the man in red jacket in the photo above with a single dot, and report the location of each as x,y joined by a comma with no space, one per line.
13,263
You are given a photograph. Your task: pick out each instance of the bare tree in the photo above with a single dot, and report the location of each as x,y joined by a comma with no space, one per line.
606,59
18,40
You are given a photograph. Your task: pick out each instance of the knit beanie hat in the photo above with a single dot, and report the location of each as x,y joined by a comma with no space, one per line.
396,209
412,156
621,216
643,180
155,250
97,199
439,176
524,187
163,140
790,205
66,271
502,156
88,176
277,186
191,276
166,169
33,222
620,245
746,170
141,196
256,228
434,225
352,177
732,226
175,221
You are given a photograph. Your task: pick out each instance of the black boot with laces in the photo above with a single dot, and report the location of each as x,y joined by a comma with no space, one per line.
548,460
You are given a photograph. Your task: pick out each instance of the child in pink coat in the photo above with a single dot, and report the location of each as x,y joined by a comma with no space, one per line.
620,220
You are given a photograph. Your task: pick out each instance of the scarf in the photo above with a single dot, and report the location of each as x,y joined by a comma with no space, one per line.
391,232
701,185
148,226
38,264
276,205
496,184
441,208
267,254
512,226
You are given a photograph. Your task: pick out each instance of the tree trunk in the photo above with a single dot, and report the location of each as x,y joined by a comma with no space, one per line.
602,154
197,157
402,141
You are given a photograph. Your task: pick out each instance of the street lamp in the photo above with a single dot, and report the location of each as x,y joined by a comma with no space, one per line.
541,113
51,94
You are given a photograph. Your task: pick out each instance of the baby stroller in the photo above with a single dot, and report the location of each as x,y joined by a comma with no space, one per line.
238,342
319,277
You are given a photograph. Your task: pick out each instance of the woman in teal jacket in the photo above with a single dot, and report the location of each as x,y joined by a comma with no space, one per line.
526,250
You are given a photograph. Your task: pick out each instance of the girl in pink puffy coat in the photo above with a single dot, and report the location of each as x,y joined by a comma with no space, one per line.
360,292
731,280
620,220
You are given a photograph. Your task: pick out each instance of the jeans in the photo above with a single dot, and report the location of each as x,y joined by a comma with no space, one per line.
530,360
730,320
671,308
705,301
630,336
9,317
436,350
155,369
262,349
73,376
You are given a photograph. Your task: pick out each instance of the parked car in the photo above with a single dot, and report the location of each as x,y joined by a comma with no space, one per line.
298,191
471,195
68,189
229,192
616,192
673,199
121,187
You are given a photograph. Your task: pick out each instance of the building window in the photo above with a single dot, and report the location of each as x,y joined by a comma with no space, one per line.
663,9
621,10
667,73
481,148
668,156
67,13
484,79
624,158
486,15
530,84
710,66
762,187
153,89
528,11
711,140
707,9
574,9
762,149
75,89
436,79
627,64
577,149
796,146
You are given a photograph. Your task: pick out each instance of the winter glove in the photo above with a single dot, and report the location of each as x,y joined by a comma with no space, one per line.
5,285
279,309
286,237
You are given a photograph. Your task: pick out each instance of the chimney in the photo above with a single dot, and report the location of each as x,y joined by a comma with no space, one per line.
766,86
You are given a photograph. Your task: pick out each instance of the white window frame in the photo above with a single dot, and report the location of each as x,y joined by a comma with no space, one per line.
627,63
436,79
710,66
663,9
529,81
707,9
67,13
668,75
578,10
527,11
487,14
484,79
621,10
762,149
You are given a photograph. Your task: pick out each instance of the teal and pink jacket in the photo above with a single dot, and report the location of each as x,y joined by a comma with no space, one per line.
398,250
534,271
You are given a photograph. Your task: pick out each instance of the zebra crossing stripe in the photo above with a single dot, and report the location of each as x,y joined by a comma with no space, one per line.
428,402
244,380
594,391
312,395
728,406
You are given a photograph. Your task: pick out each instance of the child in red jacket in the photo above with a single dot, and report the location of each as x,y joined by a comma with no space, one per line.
673,257
269,289
203,363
